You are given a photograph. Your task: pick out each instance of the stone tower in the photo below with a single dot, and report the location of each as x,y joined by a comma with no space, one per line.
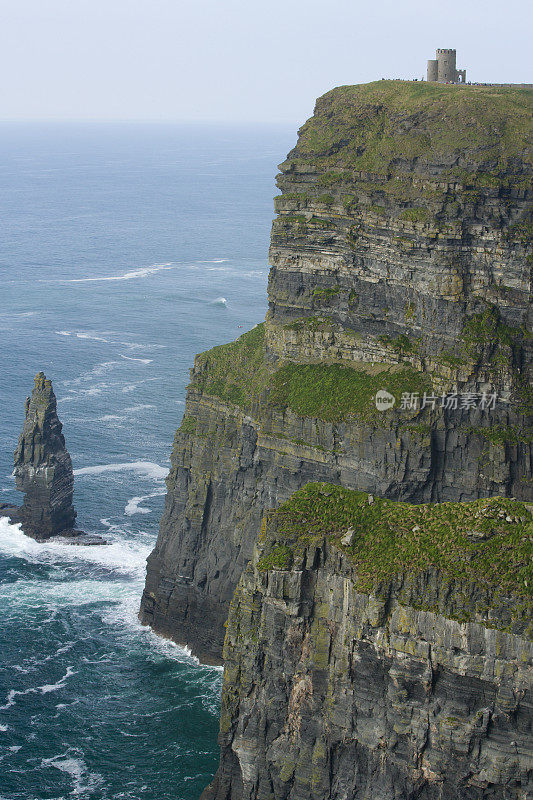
43,469
443,69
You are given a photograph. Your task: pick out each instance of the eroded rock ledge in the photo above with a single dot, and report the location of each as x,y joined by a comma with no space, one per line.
380,651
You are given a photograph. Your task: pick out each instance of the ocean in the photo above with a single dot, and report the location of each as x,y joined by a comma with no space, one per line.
125,250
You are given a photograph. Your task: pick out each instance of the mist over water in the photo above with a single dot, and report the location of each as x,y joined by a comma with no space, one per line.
126,249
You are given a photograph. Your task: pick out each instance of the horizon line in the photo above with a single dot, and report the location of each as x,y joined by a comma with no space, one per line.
148,120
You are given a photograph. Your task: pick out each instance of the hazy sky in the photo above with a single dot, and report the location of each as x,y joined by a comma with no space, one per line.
238,59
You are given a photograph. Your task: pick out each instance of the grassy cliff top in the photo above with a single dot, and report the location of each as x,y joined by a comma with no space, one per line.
373,126
488,542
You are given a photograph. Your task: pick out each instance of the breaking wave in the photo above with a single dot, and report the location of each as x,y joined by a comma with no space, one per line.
148,468
143,272
134,506
141,360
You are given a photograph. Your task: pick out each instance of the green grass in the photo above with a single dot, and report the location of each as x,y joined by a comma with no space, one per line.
323,294
501,436
333,392
400,343
238,373
279,557
309,323
235,372
415,214
375,125
487,328
188,425
487,333
392,538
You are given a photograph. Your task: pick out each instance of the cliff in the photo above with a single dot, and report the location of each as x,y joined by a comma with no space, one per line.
380,650
401,261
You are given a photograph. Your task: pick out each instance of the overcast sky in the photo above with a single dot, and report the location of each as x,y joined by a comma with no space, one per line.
238,60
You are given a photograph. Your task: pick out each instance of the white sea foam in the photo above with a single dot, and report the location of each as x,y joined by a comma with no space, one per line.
103,368
219,301
122,556
34,664
82,335
214,261
126,414
83,781
143,272
131,387
147,468
92,337
133,506
230,272
141,360
45,689
92,392
142,345
116,601
109,337
54,687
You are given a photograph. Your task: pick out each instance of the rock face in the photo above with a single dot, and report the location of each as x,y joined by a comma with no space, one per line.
401,260
343,680
43,469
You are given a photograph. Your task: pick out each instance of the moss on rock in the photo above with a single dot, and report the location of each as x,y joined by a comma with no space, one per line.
486,542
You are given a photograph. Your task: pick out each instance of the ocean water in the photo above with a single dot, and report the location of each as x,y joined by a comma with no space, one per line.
125,250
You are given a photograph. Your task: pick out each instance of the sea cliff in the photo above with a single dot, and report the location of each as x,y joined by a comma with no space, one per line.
401,261
380,650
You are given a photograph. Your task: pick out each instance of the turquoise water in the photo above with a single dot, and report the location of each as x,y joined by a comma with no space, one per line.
125,250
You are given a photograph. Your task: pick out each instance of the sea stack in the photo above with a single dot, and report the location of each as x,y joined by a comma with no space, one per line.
43,468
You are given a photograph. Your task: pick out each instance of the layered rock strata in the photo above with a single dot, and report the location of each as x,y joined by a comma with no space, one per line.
401,260
380,651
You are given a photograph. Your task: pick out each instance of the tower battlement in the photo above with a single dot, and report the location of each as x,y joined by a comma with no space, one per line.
443,68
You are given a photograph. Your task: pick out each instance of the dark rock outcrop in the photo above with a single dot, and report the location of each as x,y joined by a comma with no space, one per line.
43,468
345,681
401,259
43,471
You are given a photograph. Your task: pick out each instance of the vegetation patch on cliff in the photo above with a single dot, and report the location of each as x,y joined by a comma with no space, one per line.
375,125
237,373
333,392
487,542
